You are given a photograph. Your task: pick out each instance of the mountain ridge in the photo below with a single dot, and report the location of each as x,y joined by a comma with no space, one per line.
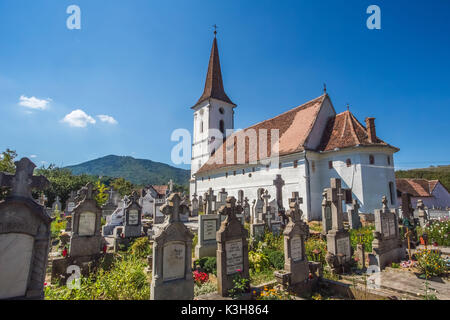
137,171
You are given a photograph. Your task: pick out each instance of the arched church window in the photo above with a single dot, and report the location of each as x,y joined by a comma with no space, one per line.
371,159
222,126
389,160
201,126
221,110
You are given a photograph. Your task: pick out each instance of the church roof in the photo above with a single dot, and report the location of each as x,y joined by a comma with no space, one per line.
214,84
295,126
416,187
343,131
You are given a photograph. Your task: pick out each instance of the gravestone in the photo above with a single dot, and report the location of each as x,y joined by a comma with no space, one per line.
70,204
423,216
172,256
208,224
296,266
132,227
326,213
258,206
146,202
109,207
267,209
194,205
354,220
338,239
246,208
56,206
232,248
210,202
24,235
222,198
116,218
279,183
387,246
86,239
184,216
257,231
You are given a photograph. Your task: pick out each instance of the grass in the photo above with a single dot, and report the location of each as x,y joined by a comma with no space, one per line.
258,278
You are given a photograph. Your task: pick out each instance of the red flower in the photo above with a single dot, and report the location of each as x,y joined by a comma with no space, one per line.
105,248
64,253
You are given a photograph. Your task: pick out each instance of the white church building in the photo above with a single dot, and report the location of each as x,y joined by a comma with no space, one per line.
306,146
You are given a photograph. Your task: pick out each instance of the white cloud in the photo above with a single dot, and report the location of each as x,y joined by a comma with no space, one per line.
33,156
34,103
78,118
107,119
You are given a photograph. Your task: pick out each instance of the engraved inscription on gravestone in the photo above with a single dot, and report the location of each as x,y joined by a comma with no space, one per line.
133,217
385,227
234,254
173,260
296,248
210,228
86,225
343,246
391,227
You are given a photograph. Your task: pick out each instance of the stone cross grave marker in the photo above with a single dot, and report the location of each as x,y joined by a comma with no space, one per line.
172,255
338,239
232,248
423,216
86,239
210,201
267,212
279,183
296,266
387,246
24,235
326,213
56,204
222,198
246,207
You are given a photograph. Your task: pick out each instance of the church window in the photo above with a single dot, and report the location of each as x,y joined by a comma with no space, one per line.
209,178
202,179
295,163
389,160
221,110
313,166
267,167
253,169
330,164
348,162
371,159
234,173
226,174
201,126
243,171
280,165
222,126
249,175
391,192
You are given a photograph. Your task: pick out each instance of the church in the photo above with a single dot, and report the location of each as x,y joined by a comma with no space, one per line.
303,148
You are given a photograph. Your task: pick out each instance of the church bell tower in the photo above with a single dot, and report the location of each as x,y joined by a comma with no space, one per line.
213,115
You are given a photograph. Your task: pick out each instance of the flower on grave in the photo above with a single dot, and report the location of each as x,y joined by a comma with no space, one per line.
356,259
64,253
238,270
311,276
105,248
200,277
45,284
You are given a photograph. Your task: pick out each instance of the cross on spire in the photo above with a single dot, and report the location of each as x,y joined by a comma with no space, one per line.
173,208
23,181
215,30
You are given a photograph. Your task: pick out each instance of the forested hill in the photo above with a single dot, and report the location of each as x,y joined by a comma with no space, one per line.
137,171
441,173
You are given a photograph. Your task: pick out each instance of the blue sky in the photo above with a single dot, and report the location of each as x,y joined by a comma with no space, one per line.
143,63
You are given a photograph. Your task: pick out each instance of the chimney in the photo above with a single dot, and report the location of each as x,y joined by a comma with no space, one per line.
371,132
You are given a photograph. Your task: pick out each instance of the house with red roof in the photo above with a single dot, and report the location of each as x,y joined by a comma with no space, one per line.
432,192
306,145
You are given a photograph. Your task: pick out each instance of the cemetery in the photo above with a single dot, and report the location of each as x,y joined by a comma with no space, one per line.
205,249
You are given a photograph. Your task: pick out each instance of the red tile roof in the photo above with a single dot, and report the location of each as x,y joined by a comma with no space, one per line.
161,190
214,84
344,130
416,187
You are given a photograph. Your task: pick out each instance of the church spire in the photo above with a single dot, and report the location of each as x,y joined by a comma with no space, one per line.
214,84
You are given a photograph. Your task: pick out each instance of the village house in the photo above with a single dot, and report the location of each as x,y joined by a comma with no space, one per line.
433,194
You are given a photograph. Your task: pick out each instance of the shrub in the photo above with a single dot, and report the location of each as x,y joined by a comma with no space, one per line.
141,248
276,259
316,244
56,228
240,285
207,264
366,237
430,263
200,277
205,288
126,280
258,261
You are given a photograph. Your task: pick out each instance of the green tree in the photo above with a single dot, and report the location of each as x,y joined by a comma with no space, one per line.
102,195
7,165
122,186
